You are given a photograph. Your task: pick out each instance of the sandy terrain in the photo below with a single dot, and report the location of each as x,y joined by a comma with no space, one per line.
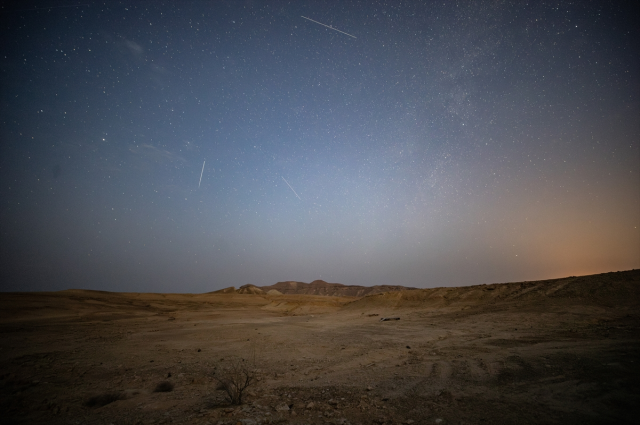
561,351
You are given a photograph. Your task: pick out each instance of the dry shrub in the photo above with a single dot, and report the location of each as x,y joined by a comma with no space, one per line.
163,387
235,378
104,399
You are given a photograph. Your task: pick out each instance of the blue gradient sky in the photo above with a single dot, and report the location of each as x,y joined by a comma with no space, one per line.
446,144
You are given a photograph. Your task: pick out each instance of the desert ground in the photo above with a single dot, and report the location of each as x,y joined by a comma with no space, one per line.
563,351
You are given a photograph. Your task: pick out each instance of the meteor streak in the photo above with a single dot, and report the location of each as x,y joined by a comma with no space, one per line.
285,180
201,173
329,26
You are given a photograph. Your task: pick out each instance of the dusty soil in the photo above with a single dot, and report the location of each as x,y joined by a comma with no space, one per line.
561,351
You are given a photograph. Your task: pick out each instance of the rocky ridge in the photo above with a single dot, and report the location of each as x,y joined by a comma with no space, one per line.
317,287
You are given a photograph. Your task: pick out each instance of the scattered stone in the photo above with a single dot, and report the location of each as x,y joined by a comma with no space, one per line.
369,388
104,399
311,405
386,319
282,407
163,387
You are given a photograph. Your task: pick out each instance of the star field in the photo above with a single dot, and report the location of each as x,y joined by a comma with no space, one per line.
441,144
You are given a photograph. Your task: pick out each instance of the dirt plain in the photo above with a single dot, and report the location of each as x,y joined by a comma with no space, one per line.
557,351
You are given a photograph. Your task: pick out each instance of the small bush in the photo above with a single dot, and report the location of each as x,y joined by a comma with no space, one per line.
235,379
163,387
104,399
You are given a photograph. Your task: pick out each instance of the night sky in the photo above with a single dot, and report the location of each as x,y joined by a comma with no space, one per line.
423,144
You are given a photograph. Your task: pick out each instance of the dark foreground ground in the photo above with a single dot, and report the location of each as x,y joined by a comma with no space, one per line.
564,351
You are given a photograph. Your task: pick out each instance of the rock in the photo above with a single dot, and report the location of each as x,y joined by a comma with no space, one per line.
369,388
311,405
282,407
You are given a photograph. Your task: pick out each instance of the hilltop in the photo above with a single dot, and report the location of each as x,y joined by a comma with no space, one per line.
317,287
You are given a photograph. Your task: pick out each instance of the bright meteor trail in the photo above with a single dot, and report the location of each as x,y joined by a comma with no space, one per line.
329,26
201,173
290,187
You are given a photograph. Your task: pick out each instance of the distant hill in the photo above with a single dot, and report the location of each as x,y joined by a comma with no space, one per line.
317,287
611,290
320,287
